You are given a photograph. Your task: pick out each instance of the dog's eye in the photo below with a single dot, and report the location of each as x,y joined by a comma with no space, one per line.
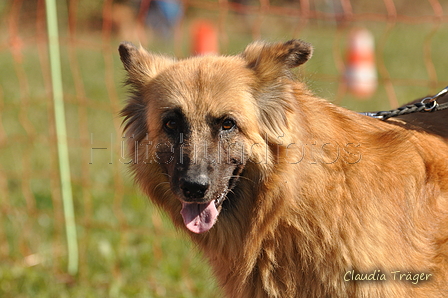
228,124
172,124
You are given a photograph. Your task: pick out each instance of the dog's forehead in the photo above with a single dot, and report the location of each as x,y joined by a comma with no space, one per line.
204,86
211,74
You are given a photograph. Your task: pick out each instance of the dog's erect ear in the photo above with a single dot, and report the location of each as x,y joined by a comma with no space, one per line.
141,65
271,62
267,59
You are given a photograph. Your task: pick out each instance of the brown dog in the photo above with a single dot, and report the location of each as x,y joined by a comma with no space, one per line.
287,194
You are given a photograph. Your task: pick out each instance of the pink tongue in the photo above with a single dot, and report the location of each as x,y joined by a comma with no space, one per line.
199,218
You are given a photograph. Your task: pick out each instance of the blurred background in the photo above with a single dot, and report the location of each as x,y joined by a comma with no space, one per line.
369,55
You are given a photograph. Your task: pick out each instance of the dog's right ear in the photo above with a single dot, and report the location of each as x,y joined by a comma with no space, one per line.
141,65
270,60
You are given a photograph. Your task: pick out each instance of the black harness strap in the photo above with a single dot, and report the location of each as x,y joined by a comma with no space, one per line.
428,104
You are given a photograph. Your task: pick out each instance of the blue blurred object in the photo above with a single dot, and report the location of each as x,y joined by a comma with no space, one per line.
163,15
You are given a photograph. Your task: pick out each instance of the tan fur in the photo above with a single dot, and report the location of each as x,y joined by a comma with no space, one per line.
323,191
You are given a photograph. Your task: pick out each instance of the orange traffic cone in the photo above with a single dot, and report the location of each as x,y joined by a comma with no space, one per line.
205,38
361,72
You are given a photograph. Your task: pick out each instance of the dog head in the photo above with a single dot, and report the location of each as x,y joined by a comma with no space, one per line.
198,123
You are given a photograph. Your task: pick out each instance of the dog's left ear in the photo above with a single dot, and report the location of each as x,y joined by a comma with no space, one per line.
270,59
271,63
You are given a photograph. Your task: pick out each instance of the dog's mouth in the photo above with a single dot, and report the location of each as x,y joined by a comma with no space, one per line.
200,217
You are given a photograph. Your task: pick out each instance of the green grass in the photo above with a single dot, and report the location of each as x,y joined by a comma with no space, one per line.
127,247
155,263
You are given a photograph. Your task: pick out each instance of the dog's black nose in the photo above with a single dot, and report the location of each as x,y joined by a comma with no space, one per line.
195,188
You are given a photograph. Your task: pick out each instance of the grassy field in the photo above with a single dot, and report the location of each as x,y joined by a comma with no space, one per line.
127,248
